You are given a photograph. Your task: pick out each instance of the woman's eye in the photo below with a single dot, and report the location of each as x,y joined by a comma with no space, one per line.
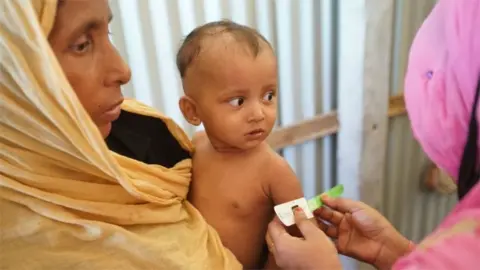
82,47
237,102
269,96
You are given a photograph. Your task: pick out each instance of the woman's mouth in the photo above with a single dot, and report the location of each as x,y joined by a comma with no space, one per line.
113,113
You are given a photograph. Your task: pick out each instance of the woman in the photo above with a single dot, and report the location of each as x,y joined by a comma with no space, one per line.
67,201
441,92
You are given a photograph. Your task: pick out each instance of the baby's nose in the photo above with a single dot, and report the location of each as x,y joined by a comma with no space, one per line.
257,114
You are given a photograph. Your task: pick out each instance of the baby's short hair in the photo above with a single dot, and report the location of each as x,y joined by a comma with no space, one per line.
192,45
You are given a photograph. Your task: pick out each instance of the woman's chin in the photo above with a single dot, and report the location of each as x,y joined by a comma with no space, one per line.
105,130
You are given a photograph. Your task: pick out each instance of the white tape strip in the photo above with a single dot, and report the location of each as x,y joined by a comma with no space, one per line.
285,213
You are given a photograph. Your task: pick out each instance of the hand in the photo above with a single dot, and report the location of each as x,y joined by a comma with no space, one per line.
361,232
314,251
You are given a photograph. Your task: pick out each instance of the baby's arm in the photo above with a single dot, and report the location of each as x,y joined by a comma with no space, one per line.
283,186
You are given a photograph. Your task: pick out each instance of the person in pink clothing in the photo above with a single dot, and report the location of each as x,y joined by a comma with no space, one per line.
442,88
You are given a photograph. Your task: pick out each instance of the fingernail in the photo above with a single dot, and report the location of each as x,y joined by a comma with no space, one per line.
296,208
298,212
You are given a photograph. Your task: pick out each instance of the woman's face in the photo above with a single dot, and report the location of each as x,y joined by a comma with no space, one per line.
95,70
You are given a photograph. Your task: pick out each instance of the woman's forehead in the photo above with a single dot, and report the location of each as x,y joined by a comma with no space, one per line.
76,15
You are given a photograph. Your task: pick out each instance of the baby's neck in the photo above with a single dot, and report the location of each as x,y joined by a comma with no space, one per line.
228,150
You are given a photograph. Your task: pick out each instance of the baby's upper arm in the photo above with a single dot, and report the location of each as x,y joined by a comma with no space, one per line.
283,184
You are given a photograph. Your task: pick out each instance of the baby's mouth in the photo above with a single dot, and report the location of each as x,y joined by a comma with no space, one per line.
256,133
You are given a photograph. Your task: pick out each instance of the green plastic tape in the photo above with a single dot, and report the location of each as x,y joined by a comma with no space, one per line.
315,202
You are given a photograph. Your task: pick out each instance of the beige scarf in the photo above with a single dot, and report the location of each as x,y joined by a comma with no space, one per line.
66,201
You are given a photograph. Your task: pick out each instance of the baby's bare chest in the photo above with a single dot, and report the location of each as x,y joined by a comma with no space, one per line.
237,186
233,184
237,189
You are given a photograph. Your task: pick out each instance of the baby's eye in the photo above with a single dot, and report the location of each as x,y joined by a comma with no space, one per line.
237,102
269,96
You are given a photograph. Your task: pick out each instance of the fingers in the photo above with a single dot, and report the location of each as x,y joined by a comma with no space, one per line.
270,244
329,230
341,204
332,217
306,226
327,214
275,234
337,246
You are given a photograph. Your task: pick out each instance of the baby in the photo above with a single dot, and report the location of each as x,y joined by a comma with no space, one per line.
229,75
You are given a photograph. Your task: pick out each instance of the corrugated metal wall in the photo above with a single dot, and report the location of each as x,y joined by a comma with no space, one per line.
412,210
304,34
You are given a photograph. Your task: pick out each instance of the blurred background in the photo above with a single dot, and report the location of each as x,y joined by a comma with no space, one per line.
310,37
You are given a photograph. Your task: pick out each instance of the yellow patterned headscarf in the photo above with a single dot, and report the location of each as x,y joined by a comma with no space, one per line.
66,200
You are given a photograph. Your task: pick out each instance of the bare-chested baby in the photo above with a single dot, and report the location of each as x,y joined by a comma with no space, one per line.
229,75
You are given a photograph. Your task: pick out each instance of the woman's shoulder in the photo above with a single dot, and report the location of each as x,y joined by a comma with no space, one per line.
454,252
454,245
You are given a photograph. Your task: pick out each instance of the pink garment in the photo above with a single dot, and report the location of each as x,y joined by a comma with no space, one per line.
442,75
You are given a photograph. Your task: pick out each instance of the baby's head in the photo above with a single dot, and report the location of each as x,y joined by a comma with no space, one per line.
229,75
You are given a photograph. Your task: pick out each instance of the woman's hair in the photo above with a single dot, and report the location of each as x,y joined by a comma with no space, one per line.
468,174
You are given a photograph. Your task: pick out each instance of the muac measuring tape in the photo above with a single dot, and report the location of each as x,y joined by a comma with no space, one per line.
285,213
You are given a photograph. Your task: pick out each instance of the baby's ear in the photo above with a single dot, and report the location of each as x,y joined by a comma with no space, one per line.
189,110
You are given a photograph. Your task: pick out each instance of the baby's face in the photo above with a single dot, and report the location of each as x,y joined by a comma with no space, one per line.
237,97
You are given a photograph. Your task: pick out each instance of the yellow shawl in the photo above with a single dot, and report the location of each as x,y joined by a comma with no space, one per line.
66,201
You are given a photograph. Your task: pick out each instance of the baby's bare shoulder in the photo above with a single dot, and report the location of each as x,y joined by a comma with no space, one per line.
274,158
202,150
199,138
283,184
272,163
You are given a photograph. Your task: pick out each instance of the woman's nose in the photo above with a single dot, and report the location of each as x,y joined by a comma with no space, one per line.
119,71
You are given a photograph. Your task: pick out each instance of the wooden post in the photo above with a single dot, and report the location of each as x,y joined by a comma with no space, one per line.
366,28
377,71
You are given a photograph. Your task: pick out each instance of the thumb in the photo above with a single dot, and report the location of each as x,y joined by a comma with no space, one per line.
306,226
276,231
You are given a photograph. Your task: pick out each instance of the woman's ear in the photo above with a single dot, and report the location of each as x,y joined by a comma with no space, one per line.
189,110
